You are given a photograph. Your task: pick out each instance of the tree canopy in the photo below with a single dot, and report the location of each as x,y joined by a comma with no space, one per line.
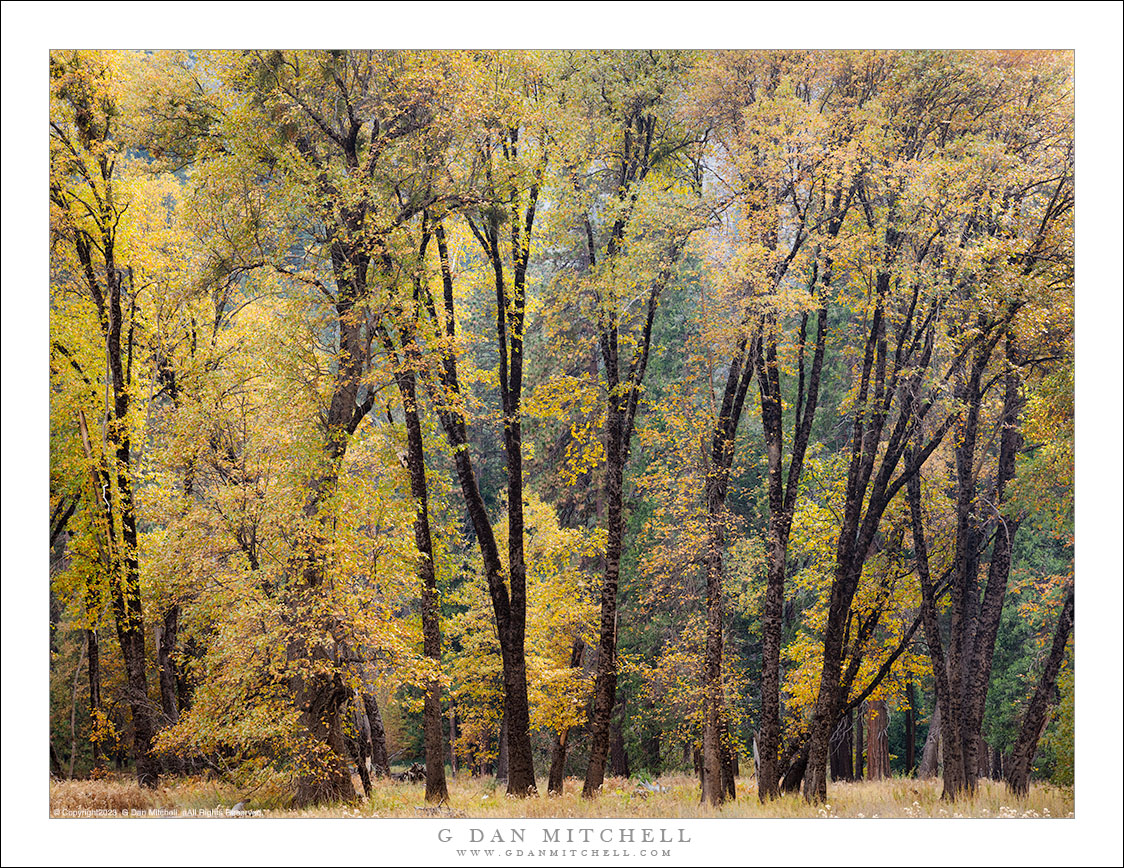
589,411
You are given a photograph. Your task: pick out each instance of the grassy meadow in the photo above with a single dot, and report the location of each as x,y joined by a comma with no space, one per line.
119,795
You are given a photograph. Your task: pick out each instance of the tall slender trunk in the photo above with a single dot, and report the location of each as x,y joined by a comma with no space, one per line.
782,509
1034,722
509,606
436,789
167,635
623,401
93,666
605,683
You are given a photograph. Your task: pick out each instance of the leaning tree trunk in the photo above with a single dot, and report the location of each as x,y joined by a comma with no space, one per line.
1022,754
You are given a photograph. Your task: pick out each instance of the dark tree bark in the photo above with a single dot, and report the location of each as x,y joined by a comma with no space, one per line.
624,396
167,636
784,487
962,676
453,738
509,606
860,743
729,764
618,756
93,666
910,730
436,789
380,761
842,749
717,485
1022,754
889,409
503,760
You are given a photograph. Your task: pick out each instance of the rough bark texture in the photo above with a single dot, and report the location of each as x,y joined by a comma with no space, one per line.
618,756
877,740
842,749
380,762
1022,754
962,673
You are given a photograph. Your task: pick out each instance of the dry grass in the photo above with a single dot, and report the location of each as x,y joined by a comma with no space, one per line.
475,797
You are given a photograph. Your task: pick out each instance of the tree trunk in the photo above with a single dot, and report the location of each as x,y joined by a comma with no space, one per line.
436,789
167,635
860,742
1022,754
503,760
729,765
713,792
509,606
453,738
795,772
717,486
605,682
929,754
93,665
842,749
363,745
74,712
997,765
120,559
320,695
910,730
380,763
877,740
555,781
